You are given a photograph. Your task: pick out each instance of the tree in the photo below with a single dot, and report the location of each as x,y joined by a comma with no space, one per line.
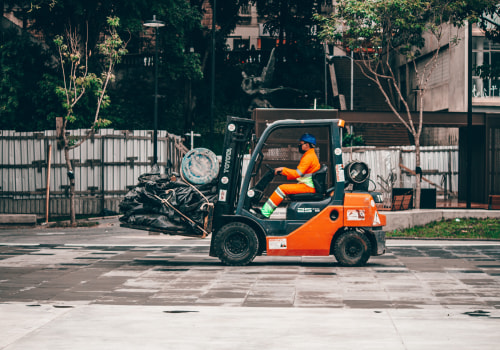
486,13
26,84
87,18
78,82
290,20
381,32
184,74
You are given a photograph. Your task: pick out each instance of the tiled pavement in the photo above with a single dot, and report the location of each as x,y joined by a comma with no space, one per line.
112,288
407,277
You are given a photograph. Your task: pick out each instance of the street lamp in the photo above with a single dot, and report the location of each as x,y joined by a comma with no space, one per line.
351,104
468,183
326,74
154,23
212,78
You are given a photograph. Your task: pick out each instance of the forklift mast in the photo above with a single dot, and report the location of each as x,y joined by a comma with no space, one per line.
236,143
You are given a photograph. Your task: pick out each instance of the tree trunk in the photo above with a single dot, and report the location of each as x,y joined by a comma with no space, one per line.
416,136
72,202
418,174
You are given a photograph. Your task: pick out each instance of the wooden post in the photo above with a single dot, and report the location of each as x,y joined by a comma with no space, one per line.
47,190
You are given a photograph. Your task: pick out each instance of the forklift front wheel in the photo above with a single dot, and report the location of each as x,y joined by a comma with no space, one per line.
236,244
352,248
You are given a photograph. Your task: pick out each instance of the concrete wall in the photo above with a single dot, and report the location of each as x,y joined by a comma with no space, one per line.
457,92
437,98
397,220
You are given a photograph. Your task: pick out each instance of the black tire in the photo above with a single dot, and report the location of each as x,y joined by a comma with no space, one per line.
236,244
352,248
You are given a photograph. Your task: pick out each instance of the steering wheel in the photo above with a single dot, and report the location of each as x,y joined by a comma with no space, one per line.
269,167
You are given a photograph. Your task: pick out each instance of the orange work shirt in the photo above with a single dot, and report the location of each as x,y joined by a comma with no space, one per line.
309,164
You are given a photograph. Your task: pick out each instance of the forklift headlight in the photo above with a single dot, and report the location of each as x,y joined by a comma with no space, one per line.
251,193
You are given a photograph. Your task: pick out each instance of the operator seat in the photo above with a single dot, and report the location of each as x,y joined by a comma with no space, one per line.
319,180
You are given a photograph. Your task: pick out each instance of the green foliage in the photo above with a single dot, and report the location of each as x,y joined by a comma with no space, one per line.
78,81
128,102
467,228
396,24
88,19
47,103
485,13
385,25
380,32
101,123
487,71
288,18
113,47
352,140
24,83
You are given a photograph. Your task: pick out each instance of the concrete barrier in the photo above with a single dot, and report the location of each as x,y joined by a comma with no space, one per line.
17,219
397,220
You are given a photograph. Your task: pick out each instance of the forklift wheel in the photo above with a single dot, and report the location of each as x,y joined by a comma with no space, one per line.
236,244
352,248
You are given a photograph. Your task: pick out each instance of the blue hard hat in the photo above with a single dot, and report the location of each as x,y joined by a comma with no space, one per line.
308,138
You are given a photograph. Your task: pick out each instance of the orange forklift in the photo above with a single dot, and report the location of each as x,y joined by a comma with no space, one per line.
336,220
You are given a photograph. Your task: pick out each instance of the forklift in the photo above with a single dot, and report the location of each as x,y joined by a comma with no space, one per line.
334,220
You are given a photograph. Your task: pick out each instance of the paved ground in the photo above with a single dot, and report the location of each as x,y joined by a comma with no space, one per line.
110,287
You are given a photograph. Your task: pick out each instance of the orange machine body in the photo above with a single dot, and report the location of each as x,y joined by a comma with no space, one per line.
314,238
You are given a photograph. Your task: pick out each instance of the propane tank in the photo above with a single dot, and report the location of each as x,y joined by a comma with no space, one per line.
358,174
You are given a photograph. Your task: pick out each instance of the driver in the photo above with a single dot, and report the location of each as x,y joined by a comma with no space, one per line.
308,165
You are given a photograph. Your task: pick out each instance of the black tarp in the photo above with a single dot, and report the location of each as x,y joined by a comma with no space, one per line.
143,206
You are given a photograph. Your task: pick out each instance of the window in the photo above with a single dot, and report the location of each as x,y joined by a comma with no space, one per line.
485,54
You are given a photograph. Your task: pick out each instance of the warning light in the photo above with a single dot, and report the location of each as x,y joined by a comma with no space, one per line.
341,123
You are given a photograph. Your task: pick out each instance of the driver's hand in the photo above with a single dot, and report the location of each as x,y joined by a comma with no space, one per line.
278,171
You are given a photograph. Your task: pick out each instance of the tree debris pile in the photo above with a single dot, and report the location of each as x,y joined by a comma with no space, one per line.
167,204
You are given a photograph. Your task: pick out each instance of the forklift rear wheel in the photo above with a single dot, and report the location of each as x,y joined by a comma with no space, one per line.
352,248
236,244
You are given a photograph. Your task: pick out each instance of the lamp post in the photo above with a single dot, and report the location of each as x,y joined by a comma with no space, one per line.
351,104
326,75
154,23
212,78
468,183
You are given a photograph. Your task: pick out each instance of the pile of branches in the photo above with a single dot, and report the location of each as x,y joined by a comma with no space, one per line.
167,204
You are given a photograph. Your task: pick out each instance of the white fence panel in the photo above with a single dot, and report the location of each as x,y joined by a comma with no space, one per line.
443,160
439,165
105,167
108,164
